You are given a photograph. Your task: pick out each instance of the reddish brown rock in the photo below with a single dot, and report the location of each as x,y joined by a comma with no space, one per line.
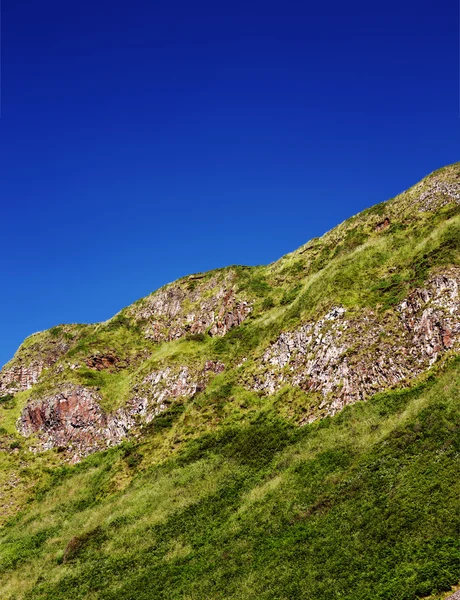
20,377
231,315
71,419
102,362
214,366
24,370
74,421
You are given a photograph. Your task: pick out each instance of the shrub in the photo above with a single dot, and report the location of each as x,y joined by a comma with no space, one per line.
6,398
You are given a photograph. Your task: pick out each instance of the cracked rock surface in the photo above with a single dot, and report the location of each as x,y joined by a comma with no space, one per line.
348,359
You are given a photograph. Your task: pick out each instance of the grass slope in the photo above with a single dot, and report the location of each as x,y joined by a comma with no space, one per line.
362,505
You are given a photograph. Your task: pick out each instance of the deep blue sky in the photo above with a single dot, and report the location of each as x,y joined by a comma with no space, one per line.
142,141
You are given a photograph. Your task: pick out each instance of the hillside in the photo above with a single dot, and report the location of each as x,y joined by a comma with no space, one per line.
211,440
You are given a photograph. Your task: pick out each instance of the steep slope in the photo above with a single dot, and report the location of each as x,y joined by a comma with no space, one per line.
200,389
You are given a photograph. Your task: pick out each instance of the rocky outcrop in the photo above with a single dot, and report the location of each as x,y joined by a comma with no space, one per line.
339,358
439,194
20,377
101,362
71,419
163,386
175,311
346,360
431,316
382,225
74,421
40,351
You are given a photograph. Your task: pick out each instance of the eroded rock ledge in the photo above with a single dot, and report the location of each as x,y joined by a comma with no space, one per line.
349,359
24,370
70,419
20,377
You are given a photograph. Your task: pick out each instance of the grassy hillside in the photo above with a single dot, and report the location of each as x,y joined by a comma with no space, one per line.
362,505
235,490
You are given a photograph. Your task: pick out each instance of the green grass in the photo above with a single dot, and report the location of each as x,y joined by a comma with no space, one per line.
362,505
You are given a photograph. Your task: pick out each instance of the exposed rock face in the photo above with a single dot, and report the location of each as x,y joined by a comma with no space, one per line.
431,316
339,358
438,195
176,311
346,360
102,362
74,420
342,359
71,419
161,387
21,374
20,377
382,225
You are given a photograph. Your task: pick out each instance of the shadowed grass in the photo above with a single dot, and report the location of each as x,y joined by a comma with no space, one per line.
365,504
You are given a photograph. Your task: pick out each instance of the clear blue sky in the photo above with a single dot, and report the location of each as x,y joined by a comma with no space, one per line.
142,141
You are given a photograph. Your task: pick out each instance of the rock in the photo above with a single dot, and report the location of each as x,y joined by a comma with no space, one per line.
176,311
161,387
347,360
20,377
102,362
73,421
40,351
438,195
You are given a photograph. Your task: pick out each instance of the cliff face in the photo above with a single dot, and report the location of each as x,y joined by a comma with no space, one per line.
371,305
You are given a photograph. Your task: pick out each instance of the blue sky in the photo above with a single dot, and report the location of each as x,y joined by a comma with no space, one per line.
143,141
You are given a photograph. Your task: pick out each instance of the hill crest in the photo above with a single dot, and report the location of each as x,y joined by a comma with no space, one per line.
370,305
